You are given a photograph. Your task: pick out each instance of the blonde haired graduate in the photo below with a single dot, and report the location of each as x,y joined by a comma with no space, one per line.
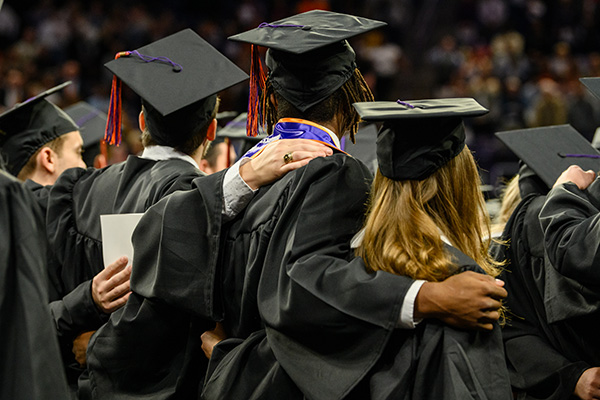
427,220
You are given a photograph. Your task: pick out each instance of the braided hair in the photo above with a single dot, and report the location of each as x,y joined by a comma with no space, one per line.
340,102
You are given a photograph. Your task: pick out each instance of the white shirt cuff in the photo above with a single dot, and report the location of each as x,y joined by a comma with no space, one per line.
236,193
407,320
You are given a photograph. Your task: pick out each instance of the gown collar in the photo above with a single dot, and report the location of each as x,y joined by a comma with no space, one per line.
159,153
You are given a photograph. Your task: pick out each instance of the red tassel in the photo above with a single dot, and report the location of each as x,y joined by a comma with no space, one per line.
112,134
258,79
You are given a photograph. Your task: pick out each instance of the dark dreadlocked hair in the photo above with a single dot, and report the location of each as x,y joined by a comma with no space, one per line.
353,91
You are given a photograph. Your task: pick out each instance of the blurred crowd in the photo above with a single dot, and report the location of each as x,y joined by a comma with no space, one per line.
519,58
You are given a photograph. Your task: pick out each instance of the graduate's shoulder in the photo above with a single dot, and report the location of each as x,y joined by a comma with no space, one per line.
340,164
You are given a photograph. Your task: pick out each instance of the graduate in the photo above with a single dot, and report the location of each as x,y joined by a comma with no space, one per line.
39,141
549,336
427,220
178,79
30,366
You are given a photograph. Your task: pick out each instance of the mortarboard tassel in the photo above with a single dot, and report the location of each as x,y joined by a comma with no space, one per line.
113,123
258,79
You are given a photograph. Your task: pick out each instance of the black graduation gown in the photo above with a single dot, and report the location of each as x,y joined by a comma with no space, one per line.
150,348
75,203
30,361
433,361
548,342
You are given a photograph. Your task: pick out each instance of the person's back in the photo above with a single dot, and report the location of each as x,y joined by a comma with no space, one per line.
31,366
176,124
427,220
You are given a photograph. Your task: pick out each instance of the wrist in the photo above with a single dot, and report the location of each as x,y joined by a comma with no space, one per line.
426,305
249,175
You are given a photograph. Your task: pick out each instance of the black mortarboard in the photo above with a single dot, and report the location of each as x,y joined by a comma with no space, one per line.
28,126
550,150
592,84
181,73
92,125
235,133
91,122
418,136
308,57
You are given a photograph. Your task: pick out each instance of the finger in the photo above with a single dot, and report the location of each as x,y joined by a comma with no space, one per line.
497,292
485,326
294,165
114,267
119,291
301,155
118,303
119,278
499,282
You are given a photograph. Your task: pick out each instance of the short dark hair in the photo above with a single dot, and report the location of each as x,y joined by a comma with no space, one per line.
190,129
353,90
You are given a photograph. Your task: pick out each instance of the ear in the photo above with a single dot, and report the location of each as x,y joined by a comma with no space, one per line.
142,121
46,160
204,166
211,131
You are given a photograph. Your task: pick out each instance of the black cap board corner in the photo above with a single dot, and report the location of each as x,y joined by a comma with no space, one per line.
550,150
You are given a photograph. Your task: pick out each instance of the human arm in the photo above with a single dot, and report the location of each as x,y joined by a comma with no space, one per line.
468,300
570,220
244,178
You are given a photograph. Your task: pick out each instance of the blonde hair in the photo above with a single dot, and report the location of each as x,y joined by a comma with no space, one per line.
511,197
406,218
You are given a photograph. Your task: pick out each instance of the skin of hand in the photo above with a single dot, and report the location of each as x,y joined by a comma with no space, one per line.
110,288
468,300
268,165
575,174
588,385
80,345
211,338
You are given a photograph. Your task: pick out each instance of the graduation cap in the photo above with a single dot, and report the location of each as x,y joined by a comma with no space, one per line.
592,84
92,125
308,57
418,136
550,150
28,126
234,132
178,76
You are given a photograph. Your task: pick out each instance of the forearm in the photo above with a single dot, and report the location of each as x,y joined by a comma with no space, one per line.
76,313
571,225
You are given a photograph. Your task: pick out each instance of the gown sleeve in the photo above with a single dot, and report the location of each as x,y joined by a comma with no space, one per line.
571,222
